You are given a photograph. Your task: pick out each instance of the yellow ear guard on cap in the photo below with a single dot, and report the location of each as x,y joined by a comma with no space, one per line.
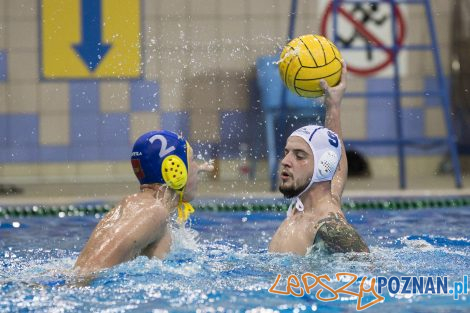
175,175
174,172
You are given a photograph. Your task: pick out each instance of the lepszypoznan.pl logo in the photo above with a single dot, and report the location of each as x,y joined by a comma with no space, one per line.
373,287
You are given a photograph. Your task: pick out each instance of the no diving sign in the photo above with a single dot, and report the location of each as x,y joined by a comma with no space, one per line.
365,34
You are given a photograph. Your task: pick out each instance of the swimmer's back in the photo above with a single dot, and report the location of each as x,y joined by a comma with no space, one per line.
124,232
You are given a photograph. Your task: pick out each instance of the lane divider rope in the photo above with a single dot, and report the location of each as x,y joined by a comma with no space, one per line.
349,205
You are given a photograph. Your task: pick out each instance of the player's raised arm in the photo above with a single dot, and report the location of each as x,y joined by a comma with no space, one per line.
333,98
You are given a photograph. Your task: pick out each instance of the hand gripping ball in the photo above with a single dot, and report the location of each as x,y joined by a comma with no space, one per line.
305,61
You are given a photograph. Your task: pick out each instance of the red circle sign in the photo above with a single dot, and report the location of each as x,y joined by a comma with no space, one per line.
368,35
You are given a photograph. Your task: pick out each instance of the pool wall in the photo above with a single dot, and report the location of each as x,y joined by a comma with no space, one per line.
196,77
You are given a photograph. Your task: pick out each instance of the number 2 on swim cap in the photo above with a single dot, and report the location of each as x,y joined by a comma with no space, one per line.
163,150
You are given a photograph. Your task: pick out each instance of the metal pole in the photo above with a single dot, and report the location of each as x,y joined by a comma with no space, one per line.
290,35
397,99
282,115
451,138
336,4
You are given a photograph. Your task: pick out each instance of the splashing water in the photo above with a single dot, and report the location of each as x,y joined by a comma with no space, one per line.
221,263
289,53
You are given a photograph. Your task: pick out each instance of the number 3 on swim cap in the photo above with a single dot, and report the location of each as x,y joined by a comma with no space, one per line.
174,172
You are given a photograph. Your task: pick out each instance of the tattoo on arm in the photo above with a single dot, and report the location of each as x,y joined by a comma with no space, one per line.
339,236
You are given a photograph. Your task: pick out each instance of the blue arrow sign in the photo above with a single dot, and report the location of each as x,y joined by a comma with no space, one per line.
91,50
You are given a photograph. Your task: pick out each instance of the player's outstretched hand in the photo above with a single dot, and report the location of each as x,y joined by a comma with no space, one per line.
334,95
206,166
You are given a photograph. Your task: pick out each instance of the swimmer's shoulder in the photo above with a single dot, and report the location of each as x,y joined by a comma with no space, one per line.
136,201
137,198
337,235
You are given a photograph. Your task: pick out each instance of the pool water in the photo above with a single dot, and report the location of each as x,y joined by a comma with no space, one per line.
222,265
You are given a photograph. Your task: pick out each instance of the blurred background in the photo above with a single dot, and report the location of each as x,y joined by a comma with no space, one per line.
69,115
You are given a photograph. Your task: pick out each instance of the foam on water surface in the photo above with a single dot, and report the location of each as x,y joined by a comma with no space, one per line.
222,263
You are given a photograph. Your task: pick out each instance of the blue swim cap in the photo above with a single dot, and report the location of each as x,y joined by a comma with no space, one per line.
161,157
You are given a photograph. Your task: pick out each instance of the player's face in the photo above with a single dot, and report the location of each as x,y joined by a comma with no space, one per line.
296,167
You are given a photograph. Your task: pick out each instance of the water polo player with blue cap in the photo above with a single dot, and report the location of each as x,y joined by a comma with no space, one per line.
139,224
313,174
162,157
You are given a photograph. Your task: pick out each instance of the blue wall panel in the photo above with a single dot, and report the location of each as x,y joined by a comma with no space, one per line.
145,96
177,122
114,129
22,130
3,66
84,98
53,153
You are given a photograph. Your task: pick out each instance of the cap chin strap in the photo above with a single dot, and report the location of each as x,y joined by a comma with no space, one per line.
297,203
185,209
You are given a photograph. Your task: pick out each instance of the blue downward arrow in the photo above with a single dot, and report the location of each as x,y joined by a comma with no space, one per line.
91,49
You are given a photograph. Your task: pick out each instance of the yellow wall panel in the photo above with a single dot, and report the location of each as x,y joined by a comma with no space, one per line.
63,32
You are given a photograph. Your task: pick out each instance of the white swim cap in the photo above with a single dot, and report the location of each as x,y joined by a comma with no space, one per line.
326,149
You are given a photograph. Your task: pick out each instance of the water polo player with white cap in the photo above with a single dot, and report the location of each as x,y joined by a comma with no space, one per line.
163,163
326,149
313,174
